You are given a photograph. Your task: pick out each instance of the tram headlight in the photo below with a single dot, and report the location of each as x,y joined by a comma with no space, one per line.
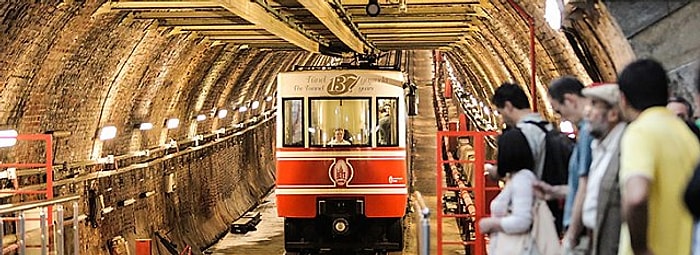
340,226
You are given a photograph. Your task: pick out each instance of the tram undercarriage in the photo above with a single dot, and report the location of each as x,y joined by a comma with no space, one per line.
342,226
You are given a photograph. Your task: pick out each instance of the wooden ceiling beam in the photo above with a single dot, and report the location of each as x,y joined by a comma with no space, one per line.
218,27
182,14
245,38
325,13
140,5
264,17
203,22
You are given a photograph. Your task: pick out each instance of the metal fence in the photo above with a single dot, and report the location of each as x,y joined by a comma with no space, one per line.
19,216
422,218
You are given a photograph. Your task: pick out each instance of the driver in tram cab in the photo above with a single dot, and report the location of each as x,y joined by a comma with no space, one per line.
338,138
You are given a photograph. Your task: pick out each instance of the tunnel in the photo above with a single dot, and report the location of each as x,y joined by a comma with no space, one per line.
161,114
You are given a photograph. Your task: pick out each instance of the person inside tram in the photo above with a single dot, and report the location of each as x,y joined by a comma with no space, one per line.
339,138
384,126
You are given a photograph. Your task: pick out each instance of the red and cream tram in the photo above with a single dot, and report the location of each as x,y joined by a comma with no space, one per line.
341,159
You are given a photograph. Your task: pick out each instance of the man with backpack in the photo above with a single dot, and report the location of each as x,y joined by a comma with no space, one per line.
566,97
549,149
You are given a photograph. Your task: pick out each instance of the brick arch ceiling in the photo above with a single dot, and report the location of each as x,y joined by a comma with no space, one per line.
62,69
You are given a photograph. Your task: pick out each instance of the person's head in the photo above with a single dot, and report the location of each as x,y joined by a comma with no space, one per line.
605,112
514,153
509,99
643,84
565,97
383,112
339,133
680,107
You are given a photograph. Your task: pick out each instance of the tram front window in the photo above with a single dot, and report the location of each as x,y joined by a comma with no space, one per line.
339,122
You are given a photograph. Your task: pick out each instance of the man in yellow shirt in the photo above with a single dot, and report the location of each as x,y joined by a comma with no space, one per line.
658,154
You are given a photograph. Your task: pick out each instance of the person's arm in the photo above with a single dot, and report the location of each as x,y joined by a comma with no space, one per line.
520,218
635,200
576,224
545,191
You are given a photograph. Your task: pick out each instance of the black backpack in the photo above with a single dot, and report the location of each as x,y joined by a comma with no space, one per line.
558,149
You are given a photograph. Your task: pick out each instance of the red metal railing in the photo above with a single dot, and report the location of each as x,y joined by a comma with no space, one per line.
48,164
477,208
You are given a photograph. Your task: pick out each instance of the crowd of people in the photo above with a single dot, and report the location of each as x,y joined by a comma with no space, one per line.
633,183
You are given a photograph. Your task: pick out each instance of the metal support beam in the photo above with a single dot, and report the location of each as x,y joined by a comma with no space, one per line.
265,17
328,15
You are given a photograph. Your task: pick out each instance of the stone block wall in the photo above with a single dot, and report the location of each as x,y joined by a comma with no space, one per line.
665,30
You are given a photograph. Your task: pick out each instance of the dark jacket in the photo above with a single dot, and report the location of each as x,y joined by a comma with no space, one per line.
692,194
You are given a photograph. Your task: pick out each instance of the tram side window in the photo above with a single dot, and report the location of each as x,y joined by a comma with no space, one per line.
339,122
293,122
387,122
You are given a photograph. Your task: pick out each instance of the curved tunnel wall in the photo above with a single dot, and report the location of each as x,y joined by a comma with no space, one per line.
63,68
500,51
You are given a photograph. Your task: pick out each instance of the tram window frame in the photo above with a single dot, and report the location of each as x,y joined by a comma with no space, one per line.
368,117
395,114
284,123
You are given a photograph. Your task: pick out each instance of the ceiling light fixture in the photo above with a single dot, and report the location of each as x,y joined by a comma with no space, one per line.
552,14
373,9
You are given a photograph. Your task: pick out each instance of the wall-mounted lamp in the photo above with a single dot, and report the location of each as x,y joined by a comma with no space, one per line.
172,123
222,113
268,98
219,132
255,105
201,117
146,126
8,140
108,132
196,139
243,108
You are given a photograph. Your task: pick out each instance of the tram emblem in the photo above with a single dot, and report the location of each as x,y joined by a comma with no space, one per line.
342,84
340,172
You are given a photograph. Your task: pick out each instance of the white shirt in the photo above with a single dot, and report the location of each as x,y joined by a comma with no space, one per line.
334,142
517,196
601,152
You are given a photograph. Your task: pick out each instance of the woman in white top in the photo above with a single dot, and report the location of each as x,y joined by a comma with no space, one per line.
338,138
511,210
